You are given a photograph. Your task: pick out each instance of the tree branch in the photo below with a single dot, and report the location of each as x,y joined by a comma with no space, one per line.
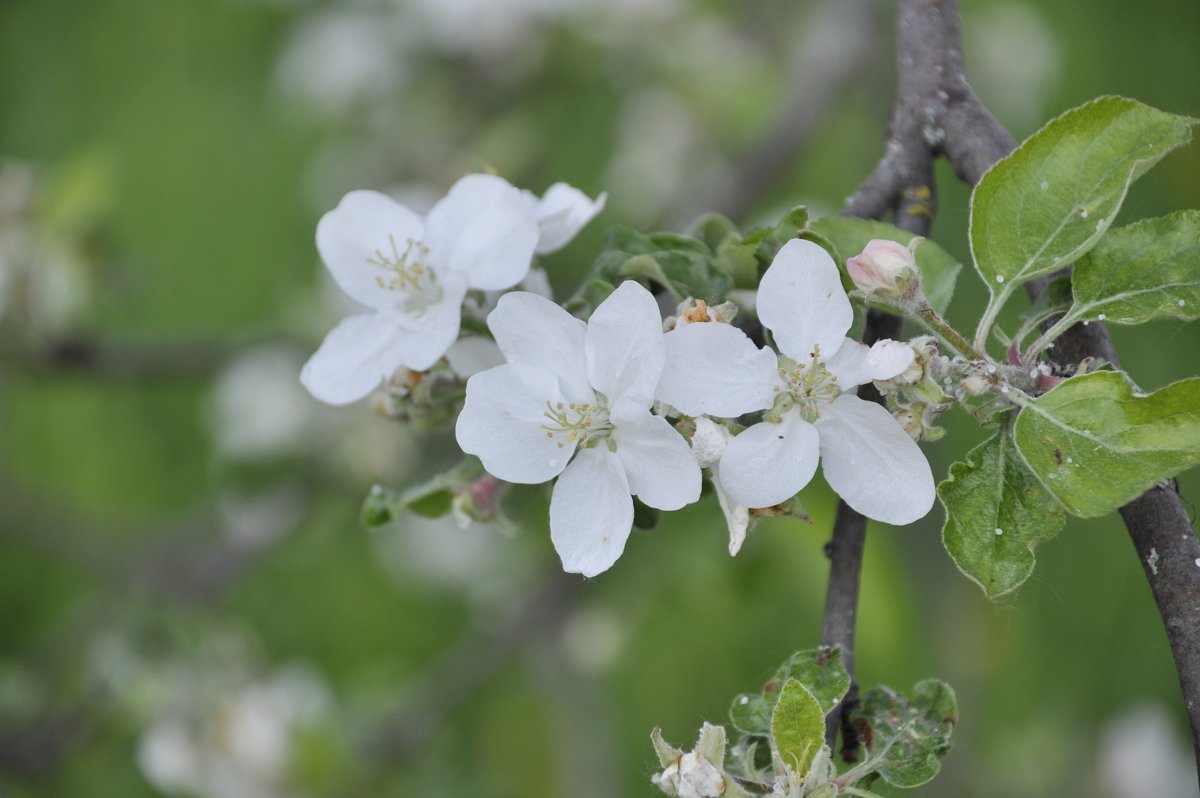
937,113
834,50
903,183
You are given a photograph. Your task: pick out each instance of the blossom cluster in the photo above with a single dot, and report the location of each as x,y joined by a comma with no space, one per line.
589,404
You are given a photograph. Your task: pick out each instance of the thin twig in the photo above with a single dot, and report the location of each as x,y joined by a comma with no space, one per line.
833,51
471,663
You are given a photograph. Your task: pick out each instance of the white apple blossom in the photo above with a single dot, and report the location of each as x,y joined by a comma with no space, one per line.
573,402
714,369
413,273
561,213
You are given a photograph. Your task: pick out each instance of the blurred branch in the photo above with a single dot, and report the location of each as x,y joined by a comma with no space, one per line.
471,663
183,563
134,360
834,50
937,113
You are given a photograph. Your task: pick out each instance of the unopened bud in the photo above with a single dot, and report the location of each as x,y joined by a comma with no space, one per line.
910,422
691,311
692,776
884,267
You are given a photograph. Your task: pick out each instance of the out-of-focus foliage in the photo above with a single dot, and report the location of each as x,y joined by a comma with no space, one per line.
190,604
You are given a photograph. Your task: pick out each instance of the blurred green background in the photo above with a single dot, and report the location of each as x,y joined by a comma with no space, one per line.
188,603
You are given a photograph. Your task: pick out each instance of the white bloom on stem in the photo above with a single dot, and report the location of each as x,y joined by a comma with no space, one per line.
714,369
561,213
413,273
573,402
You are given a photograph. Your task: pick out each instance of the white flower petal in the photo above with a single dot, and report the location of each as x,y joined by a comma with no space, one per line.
709,441
364,225
889,359
473,354
431,330
591,512
485,228
856,364
624,345
737,516
532,329
501,423
658,462
714,369
802,302
561,213
770,462
870,461
849,364
355,357
537,282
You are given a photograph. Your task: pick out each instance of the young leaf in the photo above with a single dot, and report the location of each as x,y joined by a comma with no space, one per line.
681,264
713,229
1095,444
1148,270
821,672
996,513
767,241
939,270
906,738
1052,199
797,726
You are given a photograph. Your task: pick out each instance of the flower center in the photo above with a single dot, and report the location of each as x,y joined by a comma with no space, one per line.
573,422
409,272
809,386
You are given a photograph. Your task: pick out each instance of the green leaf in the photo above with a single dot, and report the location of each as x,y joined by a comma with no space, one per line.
821,672
645,267
713,229
767,241
1052,199
1146,271
906,738
797,726
1095,444
939,270
996,513
681,264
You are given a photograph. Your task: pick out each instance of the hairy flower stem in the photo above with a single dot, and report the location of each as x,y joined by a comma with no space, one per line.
929,318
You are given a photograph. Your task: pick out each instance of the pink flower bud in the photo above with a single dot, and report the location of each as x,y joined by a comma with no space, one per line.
884,267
